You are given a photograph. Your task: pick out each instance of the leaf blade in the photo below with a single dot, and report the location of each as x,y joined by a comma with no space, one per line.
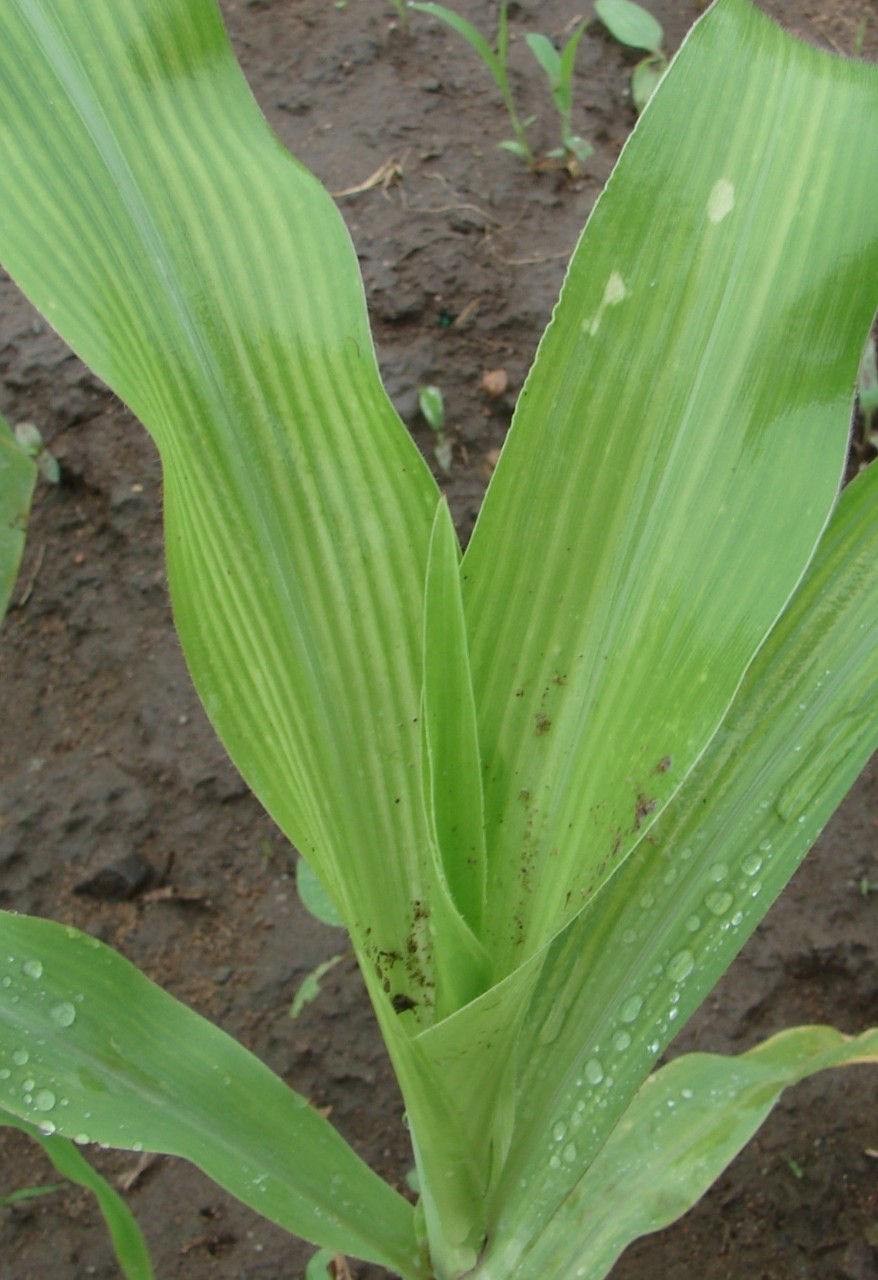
115,1054
607,643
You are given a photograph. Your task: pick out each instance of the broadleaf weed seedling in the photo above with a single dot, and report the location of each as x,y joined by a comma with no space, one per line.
636,28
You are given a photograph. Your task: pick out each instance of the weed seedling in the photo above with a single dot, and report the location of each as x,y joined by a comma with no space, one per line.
497,62
635,27
432,406
559,72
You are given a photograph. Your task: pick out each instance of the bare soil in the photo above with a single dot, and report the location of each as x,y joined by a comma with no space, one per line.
118,810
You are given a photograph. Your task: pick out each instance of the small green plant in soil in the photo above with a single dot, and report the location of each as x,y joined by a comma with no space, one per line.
559,72
550,784
636,28
496,61
432,406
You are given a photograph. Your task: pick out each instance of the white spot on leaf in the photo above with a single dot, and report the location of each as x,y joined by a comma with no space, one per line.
721,200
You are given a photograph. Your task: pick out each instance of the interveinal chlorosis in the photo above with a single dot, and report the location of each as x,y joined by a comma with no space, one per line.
519,774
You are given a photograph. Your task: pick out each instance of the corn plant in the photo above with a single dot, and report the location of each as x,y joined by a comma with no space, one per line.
551,785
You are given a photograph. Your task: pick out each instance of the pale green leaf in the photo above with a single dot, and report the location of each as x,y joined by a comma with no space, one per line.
314,897
645,78
128,1241
140,1070
152,216
798,733
471,34
682,1129
18,474
630,24
673,458
309,988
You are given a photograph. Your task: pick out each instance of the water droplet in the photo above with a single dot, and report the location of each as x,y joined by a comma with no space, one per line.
621,1041
718,872
20,1057
28,1098
680,966
4,1073
751,864
46,1127
687,1094
685,854
28,1084
63,1014
693,924
5,982
44,1100
630,1009
559,1130
670,876
137,1146
81,1139
737,919
554,1162
647,901
594,1072
568,1155
629,936
32,968
719,902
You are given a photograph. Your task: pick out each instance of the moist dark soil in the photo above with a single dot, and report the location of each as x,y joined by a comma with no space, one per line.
119,812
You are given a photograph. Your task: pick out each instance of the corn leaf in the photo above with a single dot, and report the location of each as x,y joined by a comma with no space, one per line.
18,474
139,1070
150,214
685,1125
625,976
673,458
127,1238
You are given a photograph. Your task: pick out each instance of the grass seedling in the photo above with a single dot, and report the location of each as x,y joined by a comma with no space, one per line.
550,785
636,28
496,61
559,72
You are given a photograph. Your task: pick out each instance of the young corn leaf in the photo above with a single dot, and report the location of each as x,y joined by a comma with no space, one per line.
18,474
87,1026
128,1242
684,1126
672,461
624,976
150,213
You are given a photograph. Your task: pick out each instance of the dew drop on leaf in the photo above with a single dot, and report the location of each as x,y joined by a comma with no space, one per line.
630,1008
594,1072
559,1131
621,1041
751,864
693,924
680,966
63,1014
718,903
32,968
46,1127
44,1100
20,1057
568,1155
28,1084
718,872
